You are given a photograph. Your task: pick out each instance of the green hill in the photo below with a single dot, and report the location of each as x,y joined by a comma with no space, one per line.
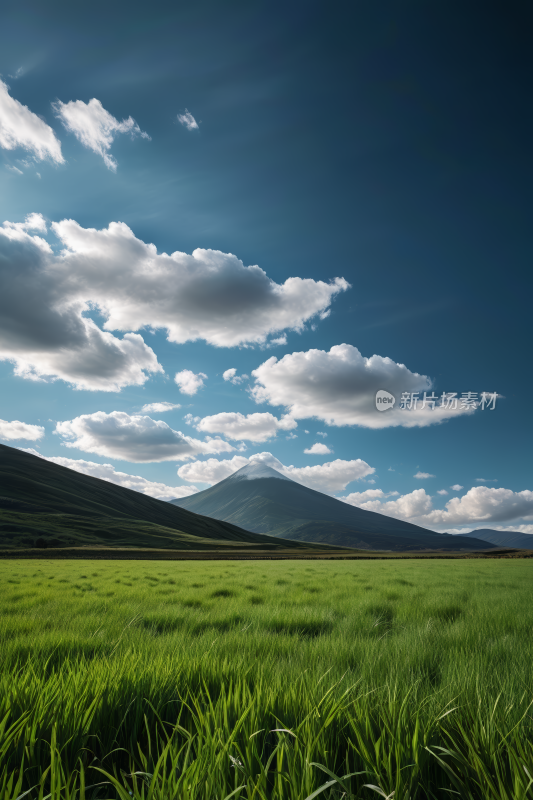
43,504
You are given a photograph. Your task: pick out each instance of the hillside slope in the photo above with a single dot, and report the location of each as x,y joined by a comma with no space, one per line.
523,541
42,500
262,500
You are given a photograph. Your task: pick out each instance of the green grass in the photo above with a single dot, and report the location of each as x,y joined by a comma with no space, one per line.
268,679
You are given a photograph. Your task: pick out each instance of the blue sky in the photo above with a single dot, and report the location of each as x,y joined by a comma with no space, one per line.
286,145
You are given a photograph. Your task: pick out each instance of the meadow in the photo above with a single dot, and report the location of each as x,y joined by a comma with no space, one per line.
258,680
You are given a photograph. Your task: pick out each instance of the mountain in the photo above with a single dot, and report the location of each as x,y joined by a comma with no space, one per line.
523,541
44,503
261,500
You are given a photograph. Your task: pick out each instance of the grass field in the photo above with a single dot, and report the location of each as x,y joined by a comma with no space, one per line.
266,679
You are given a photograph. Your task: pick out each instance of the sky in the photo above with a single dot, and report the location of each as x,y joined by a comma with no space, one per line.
228,226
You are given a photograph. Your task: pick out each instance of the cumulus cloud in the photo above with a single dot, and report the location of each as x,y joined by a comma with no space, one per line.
134,438
480,504
208,295
231,376
250,427
486,480
45,325
358,498
189,382
158,408
422,476
331,477
485,504
212,470
407,506
20,127
339,387
457,487
11,431
43,332
95,127
107,472
442,491
318,449
188,121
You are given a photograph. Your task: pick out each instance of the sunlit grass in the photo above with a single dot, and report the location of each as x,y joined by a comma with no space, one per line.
415,673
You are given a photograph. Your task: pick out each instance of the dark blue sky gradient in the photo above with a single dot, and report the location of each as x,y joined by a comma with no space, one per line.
389,143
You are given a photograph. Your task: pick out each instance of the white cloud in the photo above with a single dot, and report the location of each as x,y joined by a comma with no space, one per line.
208,295
231,376
486,480
212,470
442,491
358,498
422,476
20,127
250,427
278,342
406,507
107,472
189,382
43,332
45,323
18,231
188,120
158,408
484,504
457,487
95,127
134,438
11,431
480,504
339,387
16,170
318,449
321,433
330,477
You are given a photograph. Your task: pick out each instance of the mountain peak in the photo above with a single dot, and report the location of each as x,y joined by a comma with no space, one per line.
256,470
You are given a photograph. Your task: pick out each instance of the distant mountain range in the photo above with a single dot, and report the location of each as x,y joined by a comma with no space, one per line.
262,500
523,541
45,505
